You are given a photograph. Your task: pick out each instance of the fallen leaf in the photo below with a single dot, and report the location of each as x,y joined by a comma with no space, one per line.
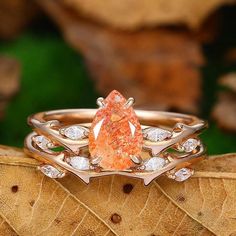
133,14
32,204
230,56
229,81
224,112
145,64
9,80
15,16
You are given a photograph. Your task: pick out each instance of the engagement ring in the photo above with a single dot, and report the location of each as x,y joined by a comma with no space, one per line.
115,139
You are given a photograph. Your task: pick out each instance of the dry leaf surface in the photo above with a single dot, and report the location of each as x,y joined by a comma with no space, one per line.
9,80
224,112
31,204
133,14
15,16
145,64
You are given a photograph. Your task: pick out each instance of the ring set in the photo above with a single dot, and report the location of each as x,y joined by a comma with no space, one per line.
115,139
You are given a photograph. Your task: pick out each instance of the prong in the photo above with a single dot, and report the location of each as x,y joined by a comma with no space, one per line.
136,160
86,133
130,102
100,102
96,160
62,131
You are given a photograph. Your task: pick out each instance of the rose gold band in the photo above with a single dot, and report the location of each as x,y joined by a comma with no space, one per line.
73,116
49,125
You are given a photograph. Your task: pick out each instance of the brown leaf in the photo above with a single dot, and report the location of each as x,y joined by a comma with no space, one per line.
15,16
145,64
224,112
31,204
229,81
35,205
9,80
133,14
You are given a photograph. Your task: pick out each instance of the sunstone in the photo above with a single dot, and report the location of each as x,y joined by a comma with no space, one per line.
115,134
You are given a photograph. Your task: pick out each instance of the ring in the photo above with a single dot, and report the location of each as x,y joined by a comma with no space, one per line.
115,139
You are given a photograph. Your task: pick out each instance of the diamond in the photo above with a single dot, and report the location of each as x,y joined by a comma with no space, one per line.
190,145
183,174
41,141
154,163
156,134
51,171
75,132
115,134
79,163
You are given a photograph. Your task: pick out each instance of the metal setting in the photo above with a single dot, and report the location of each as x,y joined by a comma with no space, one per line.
174,131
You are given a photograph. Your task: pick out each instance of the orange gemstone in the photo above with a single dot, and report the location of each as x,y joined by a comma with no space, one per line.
115,135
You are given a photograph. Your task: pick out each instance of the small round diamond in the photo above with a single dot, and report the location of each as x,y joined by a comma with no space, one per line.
74,132
190,145
51,171
183,174
155,163
79,163
156,134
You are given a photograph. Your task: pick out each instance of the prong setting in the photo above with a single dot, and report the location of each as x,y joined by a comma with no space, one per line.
100,102
130,102
121,145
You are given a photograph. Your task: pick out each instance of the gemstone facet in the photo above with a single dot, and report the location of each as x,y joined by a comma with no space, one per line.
41,141
115,134
51,171
156,134
183,174
190,145
155,163
75,132
79,163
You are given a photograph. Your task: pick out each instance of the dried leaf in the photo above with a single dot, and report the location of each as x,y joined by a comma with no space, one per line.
133,14
31,204
224,112
9,80
230,56
15,16
35,205
145,64
229,81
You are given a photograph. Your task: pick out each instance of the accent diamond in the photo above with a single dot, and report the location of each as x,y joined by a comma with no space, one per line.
79,163
183,174
154,163
115,134
190,145
51,171
41,141
75,132
156,134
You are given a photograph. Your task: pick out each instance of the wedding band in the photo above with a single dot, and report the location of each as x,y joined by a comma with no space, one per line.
115,139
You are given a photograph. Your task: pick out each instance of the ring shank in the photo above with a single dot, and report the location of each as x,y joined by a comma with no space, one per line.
72,116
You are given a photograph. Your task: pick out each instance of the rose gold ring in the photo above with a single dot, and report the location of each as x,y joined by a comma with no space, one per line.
115,139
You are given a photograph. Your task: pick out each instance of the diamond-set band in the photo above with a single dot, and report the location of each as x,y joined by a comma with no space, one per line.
115,139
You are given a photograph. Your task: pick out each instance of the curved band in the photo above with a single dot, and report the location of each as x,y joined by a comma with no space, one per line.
178,132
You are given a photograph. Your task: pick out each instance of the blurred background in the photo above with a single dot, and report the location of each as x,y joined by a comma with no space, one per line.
169,55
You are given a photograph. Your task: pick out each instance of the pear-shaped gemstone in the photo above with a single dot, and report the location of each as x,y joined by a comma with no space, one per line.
115,135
